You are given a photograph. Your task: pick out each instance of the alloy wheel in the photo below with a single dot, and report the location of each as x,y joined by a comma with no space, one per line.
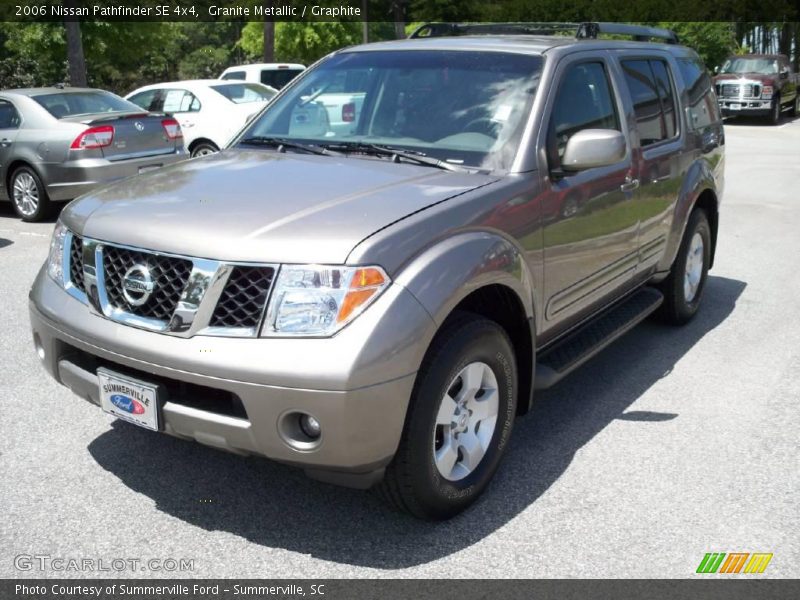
466,421
26,194
694,268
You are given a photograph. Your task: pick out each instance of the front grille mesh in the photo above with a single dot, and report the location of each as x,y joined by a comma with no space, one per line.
170,275
242,301
76,263
734,90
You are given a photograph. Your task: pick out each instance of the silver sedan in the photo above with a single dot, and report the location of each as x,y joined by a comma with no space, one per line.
58,143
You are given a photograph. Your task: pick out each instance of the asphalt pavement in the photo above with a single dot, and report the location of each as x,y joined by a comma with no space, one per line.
672,443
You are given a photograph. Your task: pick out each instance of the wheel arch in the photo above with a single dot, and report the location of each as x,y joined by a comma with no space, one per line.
484,274
201,140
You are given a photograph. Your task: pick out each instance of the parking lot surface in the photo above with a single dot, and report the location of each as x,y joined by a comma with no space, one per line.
670,444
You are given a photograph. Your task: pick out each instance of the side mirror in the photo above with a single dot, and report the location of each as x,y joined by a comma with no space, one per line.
593,148
785,74
716,70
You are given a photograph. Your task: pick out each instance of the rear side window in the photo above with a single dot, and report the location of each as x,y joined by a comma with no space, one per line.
277,78
9,117
71,104
584,101
702,109
653,100
145,100
243,93
179,101
238,75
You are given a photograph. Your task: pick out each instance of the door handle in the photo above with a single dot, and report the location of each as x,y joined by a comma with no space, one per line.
630,184
5,142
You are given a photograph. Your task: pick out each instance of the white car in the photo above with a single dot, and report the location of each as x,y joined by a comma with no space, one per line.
210,111
275,75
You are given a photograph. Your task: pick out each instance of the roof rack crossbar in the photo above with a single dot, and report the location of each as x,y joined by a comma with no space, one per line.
588,30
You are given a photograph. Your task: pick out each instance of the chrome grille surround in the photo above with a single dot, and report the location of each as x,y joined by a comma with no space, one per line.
192,289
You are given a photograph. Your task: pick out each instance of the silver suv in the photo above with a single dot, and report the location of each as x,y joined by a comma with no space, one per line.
377,304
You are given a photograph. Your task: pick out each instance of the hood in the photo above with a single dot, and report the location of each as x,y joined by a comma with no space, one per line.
734,77
242,205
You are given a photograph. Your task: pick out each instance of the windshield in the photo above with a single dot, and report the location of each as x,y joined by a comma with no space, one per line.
242,93
764,66
70,104
461,107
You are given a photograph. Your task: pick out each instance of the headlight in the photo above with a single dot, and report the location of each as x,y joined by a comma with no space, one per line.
55,260
318,300
766,92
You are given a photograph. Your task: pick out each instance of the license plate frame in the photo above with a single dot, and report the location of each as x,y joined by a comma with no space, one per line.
130,399
735,106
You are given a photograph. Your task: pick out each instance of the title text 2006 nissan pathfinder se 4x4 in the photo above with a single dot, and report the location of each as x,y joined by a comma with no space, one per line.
376,305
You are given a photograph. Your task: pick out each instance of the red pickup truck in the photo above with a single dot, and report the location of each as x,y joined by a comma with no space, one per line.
761,85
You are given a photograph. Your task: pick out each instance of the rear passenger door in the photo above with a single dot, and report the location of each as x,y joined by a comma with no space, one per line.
590,224
9,128
656,144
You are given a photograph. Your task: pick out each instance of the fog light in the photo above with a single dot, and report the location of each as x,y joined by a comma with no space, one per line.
310,426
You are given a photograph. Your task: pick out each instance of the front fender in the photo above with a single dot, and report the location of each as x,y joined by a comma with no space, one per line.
446,273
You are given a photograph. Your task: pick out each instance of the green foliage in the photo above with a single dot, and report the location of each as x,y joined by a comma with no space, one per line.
713,41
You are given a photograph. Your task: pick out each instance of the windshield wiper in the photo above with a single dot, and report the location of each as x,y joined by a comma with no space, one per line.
396,154
282,144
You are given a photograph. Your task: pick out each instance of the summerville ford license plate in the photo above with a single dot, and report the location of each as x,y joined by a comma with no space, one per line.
129,399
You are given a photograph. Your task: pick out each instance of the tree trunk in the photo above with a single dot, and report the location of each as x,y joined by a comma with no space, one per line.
269,36
398,12
75,57
364,23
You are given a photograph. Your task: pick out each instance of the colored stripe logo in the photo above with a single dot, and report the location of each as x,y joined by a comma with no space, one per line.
734,562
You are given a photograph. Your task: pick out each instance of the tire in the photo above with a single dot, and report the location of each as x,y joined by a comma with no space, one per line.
29,196
468,347
683,288
775,112
203,149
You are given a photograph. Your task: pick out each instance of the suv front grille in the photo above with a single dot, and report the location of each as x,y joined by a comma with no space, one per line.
76,263
170,275
244,297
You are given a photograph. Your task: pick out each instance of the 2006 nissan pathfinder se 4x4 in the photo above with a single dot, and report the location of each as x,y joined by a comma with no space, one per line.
377,304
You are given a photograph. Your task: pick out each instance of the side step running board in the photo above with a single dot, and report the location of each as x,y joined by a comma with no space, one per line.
581,345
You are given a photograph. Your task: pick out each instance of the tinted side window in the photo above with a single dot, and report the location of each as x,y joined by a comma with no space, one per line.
584,101
664,85
702,109
278,78
9,117
234,75
646,103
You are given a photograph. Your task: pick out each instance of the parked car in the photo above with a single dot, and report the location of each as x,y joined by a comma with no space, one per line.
378,308
209,111
58,143
761,85
275,75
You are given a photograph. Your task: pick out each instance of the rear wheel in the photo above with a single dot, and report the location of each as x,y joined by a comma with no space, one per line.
203,149
796,105
683,288
459,421
29,196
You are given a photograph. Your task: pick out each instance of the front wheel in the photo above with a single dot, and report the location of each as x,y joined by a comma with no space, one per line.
683,288
775,112
459,421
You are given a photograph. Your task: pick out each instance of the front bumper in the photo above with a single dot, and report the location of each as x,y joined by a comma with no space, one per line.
357,384
71,179
750,107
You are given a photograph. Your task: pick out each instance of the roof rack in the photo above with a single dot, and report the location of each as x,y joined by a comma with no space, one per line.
583,31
